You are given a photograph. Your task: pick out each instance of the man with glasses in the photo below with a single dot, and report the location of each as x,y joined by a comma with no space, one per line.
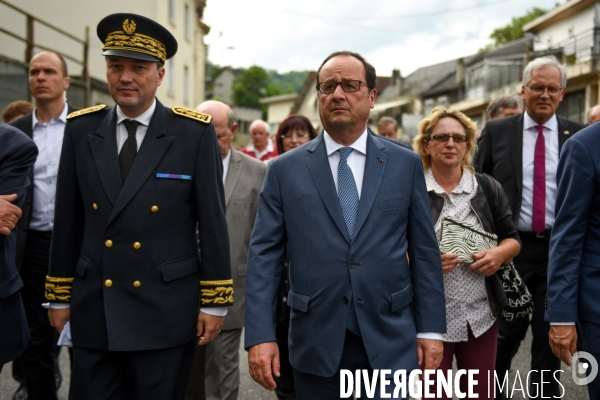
521,152
346,208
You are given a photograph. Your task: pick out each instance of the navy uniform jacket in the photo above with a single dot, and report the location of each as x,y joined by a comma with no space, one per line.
129,251
17,155
299,210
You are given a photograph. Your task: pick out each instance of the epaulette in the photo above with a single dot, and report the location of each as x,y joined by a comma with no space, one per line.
186,112
88,110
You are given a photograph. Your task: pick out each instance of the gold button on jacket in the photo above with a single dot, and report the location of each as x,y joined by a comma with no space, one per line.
108,283
137,245
108,243
137,284
154,208
95,206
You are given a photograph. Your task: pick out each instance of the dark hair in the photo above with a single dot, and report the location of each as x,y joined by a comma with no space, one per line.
16,109
294,121
63,62
371,76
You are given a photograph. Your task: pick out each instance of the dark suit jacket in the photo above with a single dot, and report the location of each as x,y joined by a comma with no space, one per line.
17,155
500,154
574,266
131,248
243,182
25,124
299,210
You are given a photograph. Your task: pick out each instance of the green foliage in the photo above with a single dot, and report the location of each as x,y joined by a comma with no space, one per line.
513,30
289,82
250,87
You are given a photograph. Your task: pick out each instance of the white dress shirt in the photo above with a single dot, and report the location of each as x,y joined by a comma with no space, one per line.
552,153
48,138
356,161
226,161
142,128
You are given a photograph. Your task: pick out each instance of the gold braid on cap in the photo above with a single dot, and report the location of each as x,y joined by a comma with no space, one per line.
119,40
58,290
217,293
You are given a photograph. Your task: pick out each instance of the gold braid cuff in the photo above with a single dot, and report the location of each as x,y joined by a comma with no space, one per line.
58,290
118,40
218,293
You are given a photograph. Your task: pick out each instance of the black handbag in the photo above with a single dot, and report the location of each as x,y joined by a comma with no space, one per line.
510,292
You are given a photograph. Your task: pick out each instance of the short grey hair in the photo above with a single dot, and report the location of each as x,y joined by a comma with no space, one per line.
260,122
383,121
497,105
541,62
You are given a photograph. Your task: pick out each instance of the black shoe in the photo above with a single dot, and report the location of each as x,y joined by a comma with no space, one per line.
21,393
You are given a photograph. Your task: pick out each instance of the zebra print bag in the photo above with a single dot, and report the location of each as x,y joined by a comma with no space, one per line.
464,239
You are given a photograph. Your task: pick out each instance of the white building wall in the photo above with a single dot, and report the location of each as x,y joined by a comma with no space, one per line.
562,32
73,16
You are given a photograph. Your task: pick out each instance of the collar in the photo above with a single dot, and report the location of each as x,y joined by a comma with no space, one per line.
143,119
359,145
62,117
551,124
466,185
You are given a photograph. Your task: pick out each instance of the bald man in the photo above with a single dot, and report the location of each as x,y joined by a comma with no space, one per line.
216,368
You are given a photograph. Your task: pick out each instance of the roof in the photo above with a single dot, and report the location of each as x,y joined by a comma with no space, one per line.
309,84
279,98
558,14
382,83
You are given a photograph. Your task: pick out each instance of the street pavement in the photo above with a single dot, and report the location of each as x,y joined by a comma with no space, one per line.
249,390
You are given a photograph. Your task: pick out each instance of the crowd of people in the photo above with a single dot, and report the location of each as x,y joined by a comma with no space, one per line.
140,237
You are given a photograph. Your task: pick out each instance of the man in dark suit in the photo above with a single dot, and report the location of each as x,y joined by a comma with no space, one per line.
134,184
521,152
17,155
573,279
348,207
48,82
216,373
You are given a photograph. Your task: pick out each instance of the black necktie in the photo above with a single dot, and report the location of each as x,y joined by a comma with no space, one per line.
129,149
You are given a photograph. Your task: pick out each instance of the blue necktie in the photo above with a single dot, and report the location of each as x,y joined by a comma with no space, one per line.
349,200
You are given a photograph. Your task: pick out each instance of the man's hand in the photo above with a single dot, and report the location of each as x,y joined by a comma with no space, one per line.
263,362
430,352
563,341
9,214
59,317
208,327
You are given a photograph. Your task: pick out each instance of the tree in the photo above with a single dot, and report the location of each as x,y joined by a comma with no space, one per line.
514,30
250,87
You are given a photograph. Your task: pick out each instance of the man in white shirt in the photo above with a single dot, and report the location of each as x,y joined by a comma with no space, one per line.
521,152
261,147
48,81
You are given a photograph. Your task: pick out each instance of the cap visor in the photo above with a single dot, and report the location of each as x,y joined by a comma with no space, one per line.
130,54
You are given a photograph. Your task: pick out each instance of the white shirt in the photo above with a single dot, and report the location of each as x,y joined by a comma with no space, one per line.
48,138
259,154
356,161
226,161
552,154
142,128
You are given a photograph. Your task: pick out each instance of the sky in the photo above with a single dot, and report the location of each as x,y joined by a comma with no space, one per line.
287,35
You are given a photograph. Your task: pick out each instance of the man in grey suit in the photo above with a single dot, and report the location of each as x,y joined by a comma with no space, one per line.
216,367
346,208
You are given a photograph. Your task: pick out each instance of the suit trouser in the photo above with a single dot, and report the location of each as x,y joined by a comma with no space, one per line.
354,356
590,335
131,375
216,372
532,265
37,361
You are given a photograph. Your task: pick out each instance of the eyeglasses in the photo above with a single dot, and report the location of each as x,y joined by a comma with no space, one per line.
289,136
539,90
444,137
347,86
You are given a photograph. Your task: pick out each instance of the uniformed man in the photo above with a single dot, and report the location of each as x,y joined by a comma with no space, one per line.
134,182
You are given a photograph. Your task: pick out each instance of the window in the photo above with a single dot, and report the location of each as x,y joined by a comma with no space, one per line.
186,22
172,10
186,85
170,76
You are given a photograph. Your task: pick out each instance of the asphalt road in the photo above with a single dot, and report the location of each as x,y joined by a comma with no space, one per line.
251,391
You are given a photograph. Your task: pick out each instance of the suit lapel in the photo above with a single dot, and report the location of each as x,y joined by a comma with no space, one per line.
155,144
104,148
233,174
318,165
563,132
374,169
516,152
